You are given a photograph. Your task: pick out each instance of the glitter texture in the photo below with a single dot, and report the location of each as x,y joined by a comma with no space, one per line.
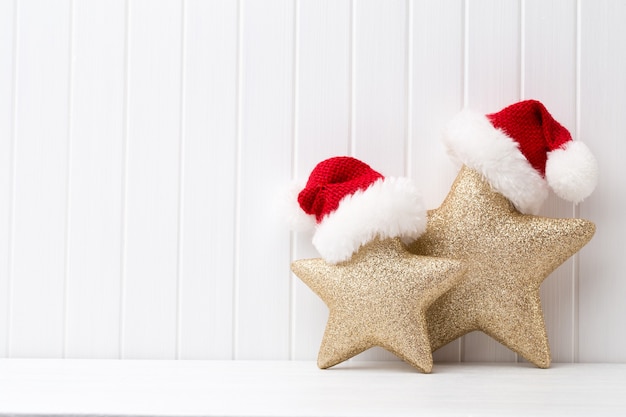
379,298
508,255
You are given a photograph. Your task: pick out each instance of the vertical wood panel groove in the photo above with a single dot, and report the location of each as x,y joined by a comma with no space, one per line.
296,88
181,179
522,72
352,138
294,167
465,102
522,51
12,192
408,146
575,207
237,196
68,182
124,184
466,29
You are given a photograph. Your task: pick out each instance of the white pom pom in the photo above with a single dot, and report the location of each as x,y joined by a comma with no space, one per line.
296,218
572,171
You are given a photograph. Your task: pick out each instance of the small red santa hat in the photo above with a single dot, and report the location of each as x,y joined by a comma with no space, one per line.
352,204
522,151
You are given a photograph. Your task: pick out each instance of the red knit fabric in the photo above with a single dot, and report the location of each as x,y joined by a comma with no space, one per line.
533,128
331,180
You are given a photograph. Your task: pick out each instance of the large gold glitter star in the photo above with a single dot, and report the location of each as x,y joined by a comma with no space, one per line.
378,298
508,255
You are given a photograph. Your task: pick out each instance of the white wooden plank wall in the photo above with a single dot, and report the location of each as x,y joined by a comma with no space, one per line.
39,196
96,166
143,146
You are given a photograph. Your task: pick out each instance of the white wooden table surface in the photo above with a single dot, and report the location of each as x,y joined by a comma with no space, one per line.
266,388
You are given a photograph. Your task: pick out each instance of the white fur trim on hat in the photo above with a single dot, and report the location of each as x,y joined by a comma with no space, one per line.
572,171
390,207
472,140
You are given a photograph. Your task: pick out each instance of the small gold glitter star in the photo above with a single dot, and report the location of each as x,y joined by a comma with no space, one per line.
378,298
508,255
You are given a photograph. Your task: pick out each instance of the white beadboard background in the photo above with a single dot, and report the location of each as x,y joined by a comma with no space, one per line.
143,144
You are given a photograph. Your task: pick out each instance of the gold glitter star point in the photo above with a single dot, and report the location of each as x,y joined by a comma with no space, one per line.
508,256
378,298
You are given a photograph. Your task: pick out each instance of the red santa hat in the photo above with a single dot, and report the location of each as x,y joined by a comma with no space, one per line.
351,204
522,152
